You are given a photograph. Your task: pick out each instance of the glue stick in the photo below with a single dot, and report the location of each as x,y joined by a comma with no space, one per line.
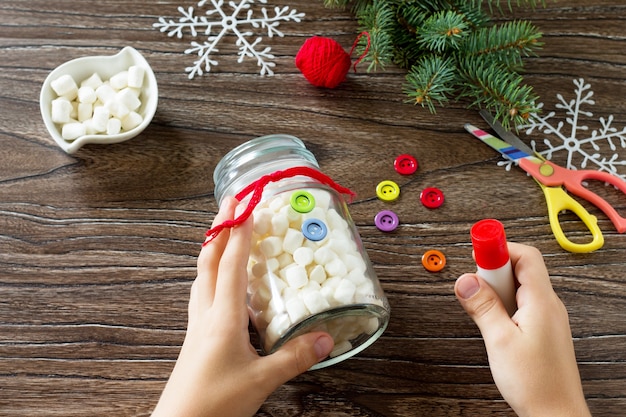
493,262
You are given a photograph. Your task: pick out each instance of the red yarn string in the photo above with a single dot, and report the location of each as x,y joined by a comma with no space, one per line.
257,187
367,48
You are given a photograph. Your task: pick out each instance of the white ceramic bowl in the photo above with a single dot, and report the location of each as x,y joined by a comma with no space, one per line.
105,66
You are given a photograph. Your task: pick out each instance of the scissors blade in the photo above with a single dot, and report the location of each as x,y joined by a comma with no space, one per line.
506,149
504,133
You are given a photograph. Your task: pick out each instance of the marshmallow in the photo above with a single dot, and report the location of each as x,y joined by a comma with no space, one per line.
296,276
303,256
135,76
100,118
87,94
128,98
72,130
292,240
271,246
85,111
94,81
131,121
315,302
119,80
65,86
61,110
114,126
296,309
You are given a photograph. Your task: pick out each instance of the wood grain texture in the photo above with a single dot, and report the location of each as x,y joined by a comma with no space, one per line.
98,249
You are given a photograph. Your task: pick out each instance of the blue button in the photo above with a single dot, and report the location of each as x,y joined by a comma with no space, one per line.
314,229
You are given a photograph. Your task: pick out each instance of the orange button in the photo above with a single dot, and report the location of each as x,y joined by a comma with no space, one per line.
433,260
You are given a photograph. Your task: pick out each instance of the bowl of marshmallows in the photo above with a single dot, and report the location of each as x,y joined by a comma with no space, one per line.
99,99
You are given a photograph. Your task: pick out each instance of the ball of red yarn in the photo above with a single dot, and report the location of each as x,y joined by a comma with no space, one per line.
323,62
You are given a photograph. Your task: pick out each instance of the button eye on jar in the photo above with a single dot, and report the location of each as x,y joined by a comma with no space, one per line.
302,201
314,229
433,260
405,164
432,197
386,221
387,190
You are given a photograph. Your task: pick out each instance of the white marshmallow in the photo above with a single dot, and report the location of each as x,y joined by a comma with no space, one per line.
271,246
317,274
276,328
131,121
119,80
94,81
117,109
87,95
284,259
279,224
336,268
105,93
315,302
61,110
292,240
303,256
296,276
71,131
65,86
324,255
296,309
114,126
84,112
100,118
128,98
262,221
135,76
345,292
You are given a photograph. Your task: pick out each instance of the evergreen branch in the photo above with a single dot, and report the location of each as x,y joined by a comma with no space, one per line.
430,80
507,42
494,87
443,31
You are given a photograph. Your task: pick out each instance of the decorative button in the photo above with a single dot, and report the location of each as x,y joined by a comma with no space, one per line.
386,220
387,190
433,260
314,229
405,164
431,197
302,201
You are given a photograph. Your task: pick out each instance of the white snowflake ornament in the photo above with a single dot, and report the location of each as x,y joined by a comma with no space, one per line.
217,22
584,149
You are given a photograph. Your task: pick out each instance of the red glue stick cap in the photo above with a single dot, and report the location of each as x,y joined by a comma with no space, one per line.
489,241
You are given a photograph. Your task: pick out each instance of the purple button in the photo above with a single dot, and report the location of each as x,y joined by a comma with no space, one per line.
386,220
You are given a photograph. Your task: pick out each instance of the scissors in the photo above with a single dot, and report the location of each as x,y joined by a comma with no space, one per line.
551,178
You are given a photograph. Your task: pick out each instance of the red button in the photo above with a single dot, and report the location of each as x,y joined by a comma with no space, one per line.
434,260
405,164
431,197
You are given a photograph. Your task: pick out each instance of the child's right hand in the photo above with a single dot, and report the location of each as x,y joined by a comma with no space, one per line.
531,355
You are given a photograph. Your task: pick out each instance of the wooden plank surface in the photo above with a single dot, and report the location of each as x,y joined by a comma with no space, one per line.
98,249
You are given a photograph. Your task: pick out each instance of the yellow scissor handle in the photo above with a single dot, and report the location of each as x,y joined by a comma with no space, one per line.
558,200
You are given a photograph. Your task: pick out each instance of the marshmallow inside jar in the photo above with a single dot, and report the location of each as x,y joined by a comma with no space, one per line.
99,99
307,269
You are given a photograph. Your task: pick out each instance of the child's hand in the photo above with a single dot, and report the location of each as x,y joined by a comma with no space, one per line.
531,355
218,371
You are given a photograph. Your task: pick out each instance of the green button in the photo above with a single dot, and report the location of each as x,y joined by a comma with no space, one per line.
302,201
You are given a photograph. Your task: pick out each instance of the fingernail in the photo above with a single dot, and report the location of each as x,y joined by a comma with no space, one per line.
323,346
467,286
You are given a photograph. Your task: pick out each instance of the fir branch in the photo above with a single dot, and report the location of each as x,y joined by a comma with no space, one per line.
451,49
495,87
507,43
443,31
430,80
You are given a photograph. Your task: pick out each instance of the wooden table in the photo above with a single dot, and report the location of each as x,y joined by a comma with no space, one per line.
98,249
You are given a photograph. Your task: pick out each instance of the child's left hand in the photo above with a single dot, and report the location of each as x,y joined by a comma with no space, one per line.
218,371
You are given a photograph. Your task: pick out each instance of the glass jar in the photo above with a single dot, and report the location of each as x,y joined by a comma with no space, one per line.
307,270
